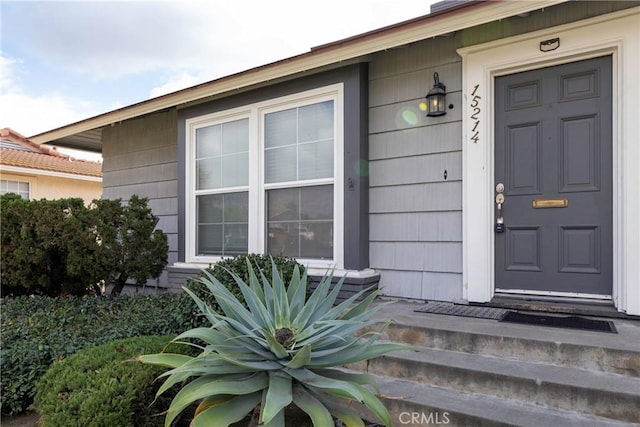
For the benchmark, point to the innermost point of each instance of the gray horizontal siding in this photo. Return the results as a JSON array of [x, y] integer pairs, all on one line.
[[421, 285], [151, 190], [150, 157], [414, 85], [415, 212], [416, 227], [178, 277], [443, 138], [140, 157], [407, 114], [415, 57], [432, 197], [142, 174], [416, 169], [443, 257]]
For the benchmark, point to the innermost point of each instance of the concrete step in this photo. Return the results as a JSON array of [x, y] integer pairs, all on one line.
[[546, 386], [485, 372], [595, 351], [414, 404]]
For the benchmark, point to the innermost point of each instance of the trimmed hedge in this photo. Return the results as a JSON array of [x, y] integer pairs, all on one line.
[[100, 386], [36, 331]]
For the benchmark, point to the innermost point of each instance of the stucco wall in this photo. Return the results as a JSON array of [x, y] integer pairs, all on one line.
[[49, 187]]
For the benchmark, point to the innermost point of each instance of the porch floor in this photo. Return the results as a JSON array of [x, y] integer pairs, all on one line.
[[403, 312]]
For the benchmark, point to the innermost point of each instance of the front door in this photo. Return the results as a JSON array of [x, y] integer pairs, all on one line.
[[553, 156]]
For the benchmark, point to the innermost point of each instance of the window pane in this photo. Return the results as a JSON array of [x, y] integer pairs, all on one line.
[[210, 209], [236, 239], [210, 239], [236, 207], [317, 203], [20, 188], [208, 173], [222, 155], [315, 122], [283, 205], [299, 143], [282, 239], [235, 170], [280, 128], [235, 137], [300, 222], [208, 141], [222, 224], [316, 240], [316, 160], [280, 164]]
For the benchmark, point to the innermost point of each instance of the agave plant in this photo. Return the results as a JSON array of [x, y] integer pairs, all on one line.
[[282, 350]]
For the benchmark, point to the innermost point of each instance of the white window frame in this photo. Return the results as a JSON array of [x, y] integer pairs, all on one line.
[[257, 187]]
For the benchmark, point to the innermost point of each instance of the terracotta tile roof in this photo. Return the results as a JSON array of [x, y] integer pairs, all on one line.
[[16, 150], [48, 162]]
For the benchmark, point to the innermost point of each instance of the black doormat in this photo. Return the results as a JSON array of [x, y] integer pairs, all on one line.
[[572, 322], [451, 309]]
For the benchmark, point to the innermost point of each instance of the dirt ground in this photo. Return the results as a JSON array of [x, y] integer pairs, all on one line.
[[25, 420]]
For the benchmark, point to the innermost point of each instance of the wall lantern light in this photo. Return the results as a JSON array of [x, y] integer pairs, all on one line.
[[436, 98]]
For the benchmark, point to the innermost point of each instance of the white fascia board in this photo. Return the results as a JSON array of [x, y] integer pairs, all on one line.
[[334, 53], [42, 172]]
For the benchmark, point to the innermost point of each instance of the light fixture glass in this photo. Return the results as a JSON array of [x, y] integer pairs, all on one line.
[[436, 98]]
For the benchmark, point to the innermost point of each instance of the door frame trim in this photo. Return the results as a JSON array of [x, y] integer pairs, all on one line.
[[612, 34]]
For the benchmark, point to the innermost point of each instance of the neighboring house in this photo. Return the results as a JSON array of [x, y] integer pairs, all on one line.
[[39, 172], [329, 157]]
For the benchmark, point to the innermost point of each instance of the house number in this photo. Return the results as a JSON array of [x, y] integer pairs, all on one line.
[[475, 116]]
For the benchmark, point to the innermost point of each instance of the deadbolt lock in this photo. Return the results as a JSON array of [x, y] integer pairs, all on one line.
[[500, 188]]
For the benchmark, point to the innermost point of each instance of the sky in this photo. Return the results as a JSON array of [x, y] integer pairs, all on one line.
[[65, 61]]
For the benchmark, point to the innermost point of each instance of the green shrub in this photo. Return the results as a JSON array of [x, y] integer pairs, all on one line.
[[40, 238], [60, 247], [281, 350], [97, 387], [238, 265], [36, 331]]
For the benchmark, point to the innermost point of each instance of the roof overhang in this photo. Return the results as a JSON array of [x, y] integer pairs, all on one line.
[[86, 134]]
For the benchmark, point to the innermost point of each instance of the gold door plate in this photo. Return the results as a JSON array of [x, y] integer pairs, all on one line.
[[550, 203]]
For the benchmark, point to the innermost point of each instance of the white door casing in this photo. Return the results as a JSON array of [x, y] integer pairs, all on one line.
[[616, 34]]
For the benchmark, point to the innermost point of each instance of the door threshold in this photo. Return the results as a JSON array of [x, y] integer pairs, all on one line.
[[560, 305]]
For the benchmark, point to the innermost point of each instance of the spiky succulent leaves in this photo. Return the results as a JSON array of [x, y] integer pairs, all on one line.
[[319, 414], [278, 396], [276, 351], [227, 412]]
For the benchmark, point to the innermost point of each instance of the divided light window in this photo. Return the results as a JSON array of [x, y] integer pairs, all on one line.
[[222, 192], [20, 188], [299, 151], [264, 179]]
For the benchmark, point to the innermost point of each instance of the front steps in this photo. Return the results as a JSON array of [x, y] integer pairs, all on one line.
[[467, 371]]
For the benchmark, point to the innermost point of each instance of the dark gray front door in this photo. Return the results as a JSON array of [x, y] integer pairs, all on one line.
[[553, 153]]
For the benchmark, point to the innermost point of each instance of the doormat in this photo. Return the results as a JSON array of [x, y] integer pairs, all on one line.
[[571, 322], [462, 310]]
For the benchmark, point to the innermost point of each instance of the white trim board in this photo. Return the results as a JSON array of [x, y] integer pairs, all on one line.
[[616, 34]]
